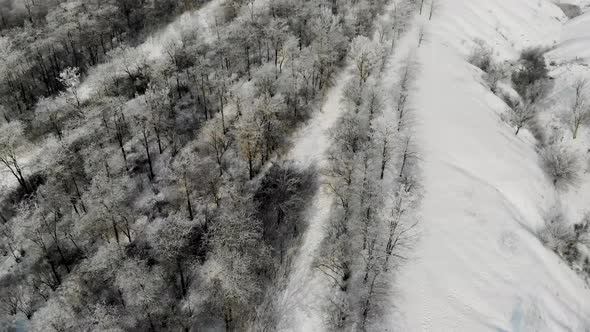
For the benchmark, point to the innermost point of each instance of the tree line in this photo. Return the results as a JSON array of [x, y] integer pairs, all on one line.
[[373, 176]]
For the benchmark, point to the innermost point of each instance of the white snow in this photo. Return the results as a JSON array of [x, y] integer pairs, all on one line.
[[478, 265]]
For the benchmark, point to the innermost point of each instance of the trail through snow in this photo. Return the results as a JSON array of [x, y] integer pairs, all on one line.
[[301, 300]]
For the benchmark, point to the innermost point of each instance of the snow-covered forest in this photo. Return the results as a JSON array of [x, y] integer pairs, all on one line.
[[294, 165]]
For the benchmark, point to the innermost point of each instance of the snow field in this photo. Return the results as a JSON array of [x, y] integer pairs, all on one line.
[[479, 265]]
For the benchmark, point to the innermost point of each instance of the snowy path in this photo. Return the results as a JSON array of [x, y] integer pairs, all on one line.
[[301, 300], [478, 266]]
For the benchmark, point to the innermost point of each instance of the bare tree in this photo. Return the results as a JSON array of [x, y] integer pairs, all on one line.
[[403, 94], [579, 114], [141, 123], [11, 137], [364, 56], [434, 5], [70, 78], [421, 35], [522, 114], [556, 234]]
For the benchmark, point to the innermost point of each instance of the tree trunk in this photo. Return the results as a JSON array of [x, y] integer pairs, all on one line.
[[147, 152], [61, 255], [188, 200], [115, 229], [158, 138], [79, 195], [248, 62], [227, 318], [221, 106], [182, 279], [54, 272], [383, 160], [404, 160]]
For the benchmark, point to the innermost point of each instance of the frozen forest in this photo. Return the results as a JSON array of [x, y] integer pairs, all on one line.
[[294, 165]]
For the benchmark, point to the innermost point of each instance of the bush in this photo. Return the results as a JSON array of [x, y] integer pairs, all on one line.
[[561, 165], [571, 11], [557, 234], [521, 114], [481, 56], [530, 80], [565, 239], [495, 74]]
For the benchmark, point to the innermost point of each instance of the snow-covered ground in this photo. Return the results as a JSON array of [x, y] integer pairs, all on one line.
[[575, 38], [478, 265], [301, 300]]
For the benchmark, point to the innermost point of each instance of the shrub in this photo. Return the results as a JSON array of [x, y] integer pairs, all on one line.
[[582, 230], [481, 56], [561, 165], [530, 80], [521, 113], [557, 234], [565, 239], [571, 11], [496, 73]]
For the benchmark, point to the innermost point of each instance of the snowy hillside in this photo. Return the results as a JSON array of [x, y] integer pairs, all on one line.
[[479, 266]]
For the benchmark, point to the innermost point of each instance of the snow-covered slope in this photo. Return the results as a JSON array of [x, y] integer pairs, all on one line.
[[570, 60], [478, 265], [574, 38]]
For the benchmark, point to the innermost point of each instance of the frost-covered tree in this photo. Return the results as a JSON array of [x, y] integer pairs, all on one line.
[[561, 165], [159, 110], [557, 234], [579, 113], [363, 53], [522, 114], [109, 213], [70, 79], [51, 112], [239, 259], [11, 139]]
